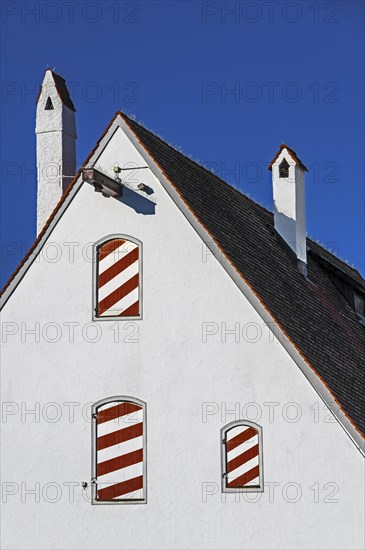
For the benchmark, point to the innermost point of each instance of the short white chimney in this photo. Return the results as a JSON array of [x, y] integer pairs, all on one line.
[[56, 144], [289, 201]]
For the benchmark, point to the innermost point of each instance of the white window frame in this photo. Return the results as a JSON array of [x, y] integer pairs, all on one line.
[[95, 275], [94, 435], [223, 440]]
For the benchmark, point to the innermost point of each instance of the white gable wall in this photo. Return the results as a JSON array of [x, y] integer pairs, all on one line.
[[175, 372]]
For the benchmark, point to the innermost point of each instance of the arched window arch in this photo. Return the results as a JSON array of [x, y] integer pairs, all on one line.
[[119, 451], [242, 464], [118, 278]]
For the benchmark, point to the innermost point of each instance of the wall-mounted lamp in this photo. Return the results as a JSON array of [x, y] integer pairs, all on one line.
[[116, 170], [142, 187]]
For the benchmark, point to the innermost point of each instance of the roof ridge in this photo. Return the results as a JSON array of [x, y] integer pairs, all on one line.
[[200, 166], [313, 241], [233, 188], [246, 236], [220, 180]]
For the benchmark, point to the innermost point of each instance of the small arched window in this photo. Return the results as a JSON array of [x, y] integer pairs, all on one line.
[[118, 278], [284, 169], [119, 449], [242, 464]]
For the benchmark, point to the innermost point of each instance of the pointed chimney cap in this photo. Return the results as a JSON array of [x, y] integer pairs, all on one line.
[[293, 155], [62, 90]]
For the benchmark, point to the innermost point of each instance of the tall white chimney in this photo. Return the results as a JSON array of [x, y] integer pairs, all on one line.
[[56, 144], [289, 202]]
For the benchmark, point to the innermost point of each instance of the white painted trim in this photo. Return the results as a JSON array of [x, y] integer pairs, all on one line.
[[95, 278], [94, 410], [224, 431]]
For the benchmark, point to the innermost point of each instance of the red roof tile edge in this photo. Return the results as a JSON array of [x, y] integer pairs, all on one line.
[[293, 155]]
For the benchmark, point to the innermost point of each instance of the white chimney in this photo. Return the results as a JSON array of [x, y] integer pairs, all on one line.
[[289, 202], [56, 144]]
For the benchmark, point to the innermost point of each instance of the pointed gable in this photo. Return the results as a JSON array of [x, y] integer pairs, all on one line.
[[62, 91], [292, 154], [312, 313]]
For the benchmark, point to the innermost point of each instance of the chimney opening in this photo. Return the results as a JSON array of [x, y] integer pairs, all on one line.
[[49, 105], [284, 169]]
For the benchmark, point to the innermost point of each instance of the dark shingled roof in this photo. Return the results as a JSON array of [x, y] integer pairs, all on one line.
[[313, 312]]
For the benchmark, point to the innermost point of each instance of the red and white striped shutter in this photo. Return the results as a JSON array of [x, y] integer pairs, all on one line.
[[120, 452], [118, 284], [242, 448]]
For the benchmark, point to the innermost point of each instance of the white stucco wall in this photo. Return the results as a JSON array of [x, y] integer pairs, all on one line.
[[164, 361]]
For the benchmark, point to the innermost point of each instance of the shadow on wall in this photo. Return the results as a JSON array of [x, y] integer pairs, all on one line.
[[139, 203]]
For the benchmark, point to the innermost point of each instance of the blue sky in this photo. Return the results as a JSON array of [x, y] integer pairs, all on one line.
[[227, 82]]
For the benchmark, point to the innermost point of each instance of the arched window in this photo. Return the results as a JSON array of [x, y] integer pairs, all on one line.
[[119, 451], [242, 465], [118, 278], [284, 169]]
